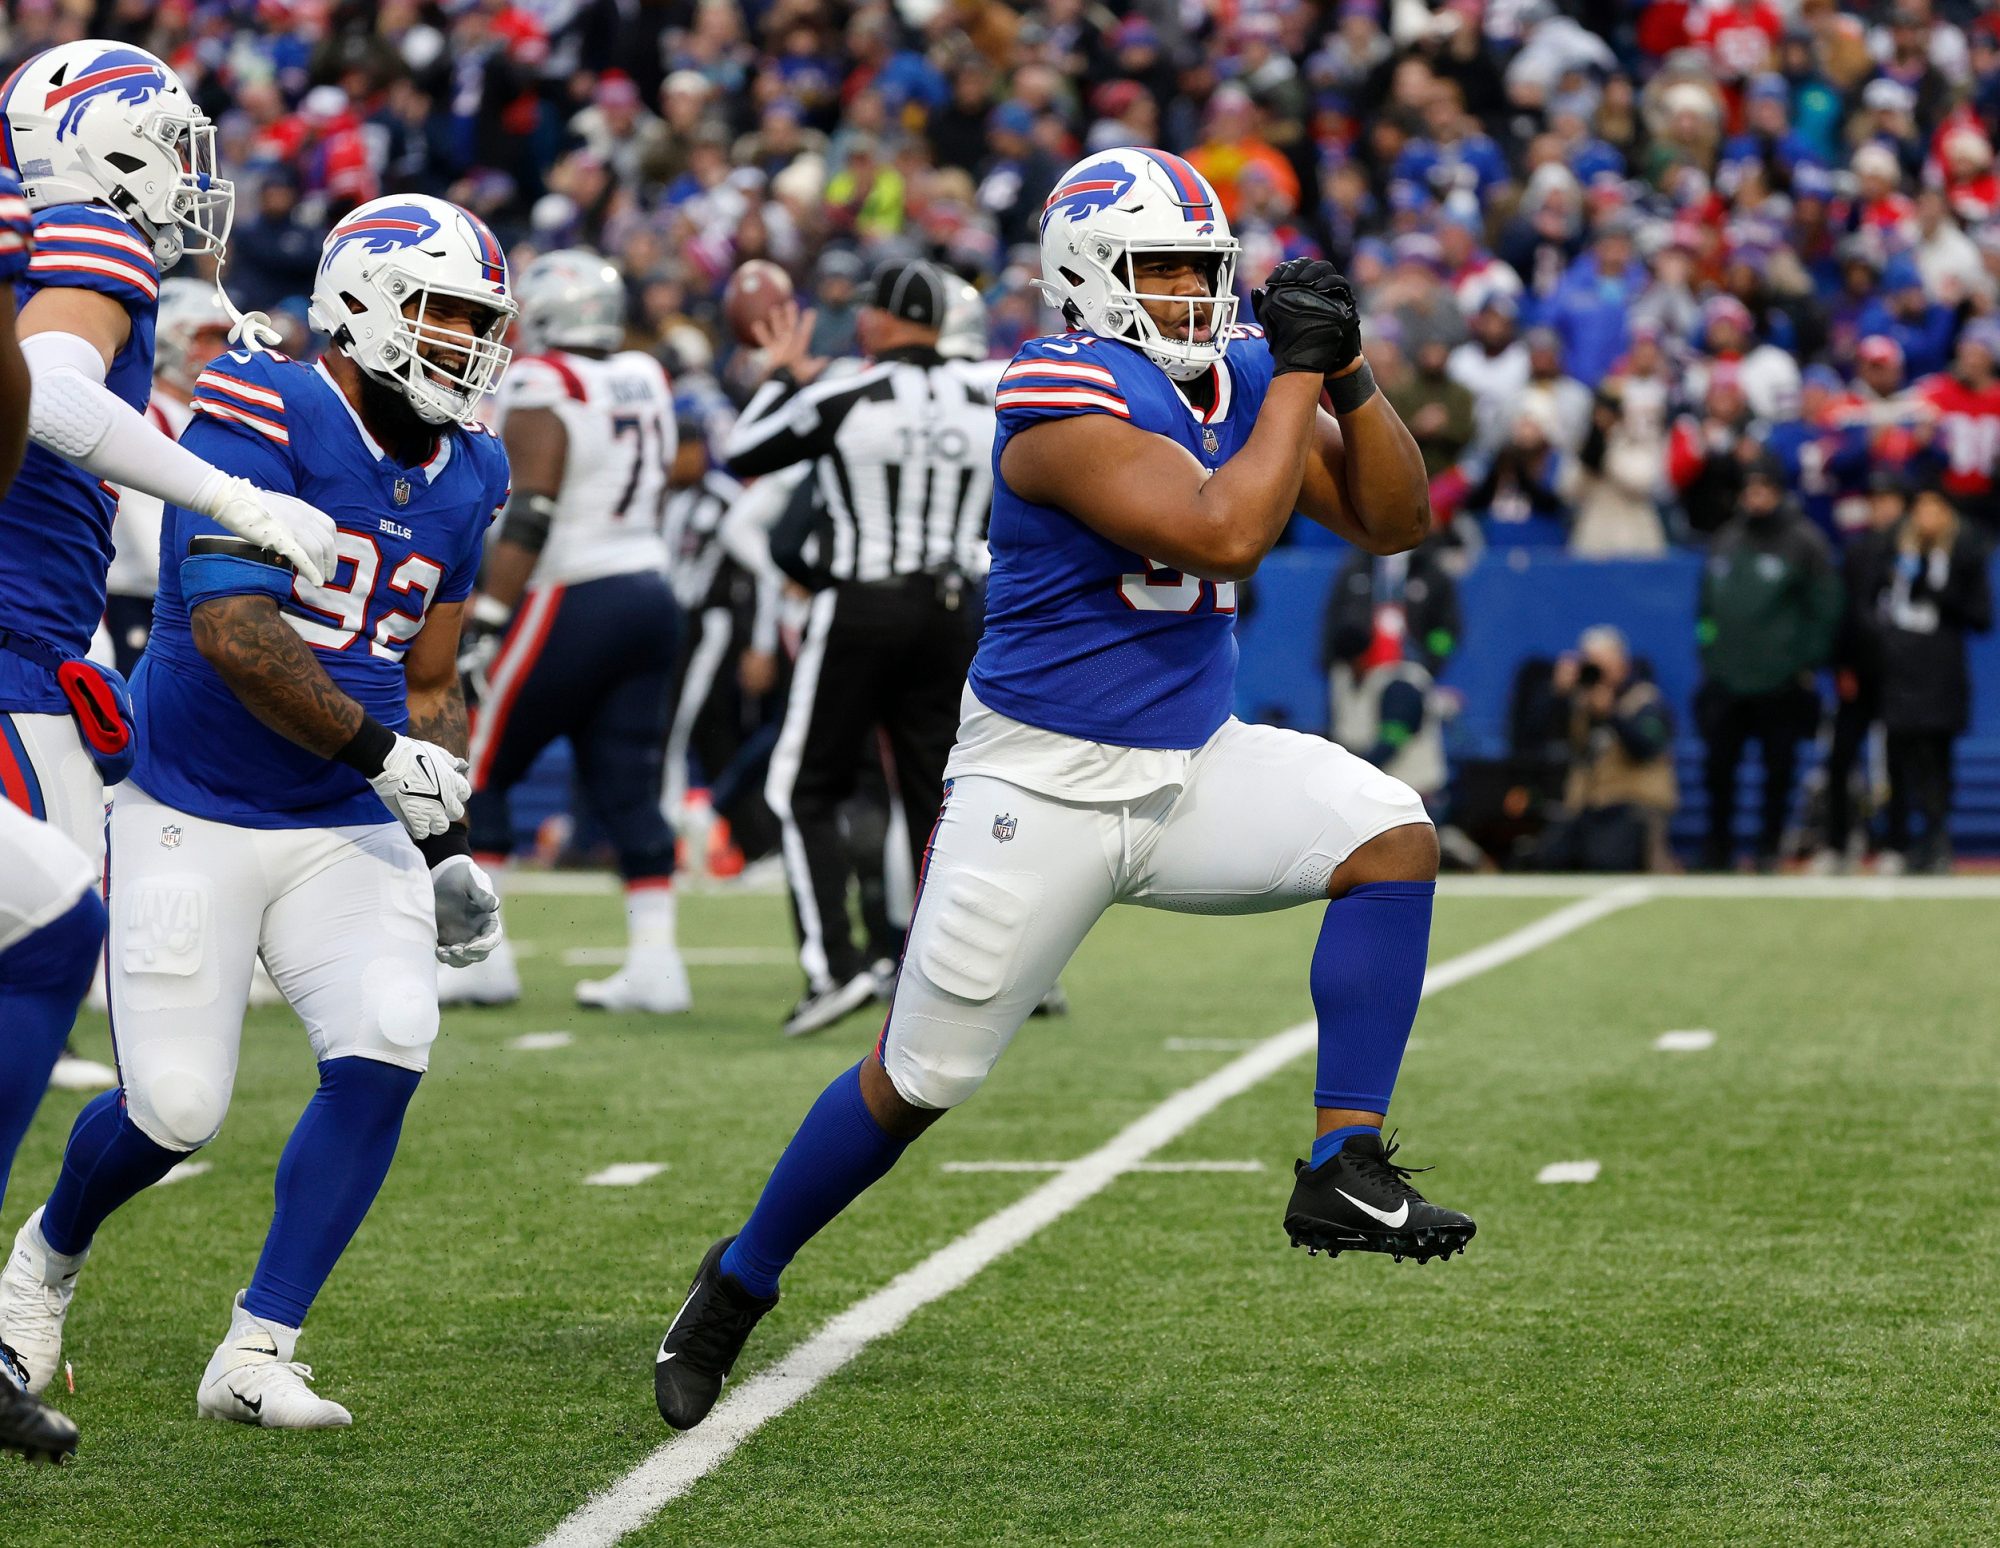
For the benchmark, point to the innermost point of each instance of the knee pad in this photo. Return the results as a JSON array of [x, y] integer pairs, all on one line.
[[176, 1107], [396, 1021], [937, 1062]]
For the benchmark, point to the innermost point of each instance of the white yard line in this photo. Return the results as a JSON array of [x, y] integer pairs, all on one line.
[[681, 1463], [1568, 1172], [1143, 1166], [541, 1042], [1693, 1040], [625, 1174], [183, 1170], [693, 956], [1867, 889]]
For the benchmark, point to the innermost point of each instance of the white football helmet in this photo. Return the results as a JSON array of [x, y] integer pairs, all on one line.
[[96, 122], [1118, 205], [187, 306], [963, 335], [571, 299], [412, 248]]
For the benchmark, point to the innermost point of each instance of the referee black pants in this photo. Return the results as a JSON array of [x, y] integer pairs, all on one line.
[[881, 654]]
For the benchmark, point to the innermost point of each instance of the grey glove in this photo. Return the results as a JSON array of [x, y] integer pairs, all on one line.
[[468, 911]]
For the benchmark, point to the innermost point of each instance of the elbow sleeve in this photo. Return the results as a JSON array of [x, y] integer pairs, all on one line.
[[73, 414], [526, 520]]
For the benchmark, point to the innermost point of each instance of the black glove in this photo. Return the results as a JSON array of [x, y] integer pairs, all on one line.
[[1309, 317], [478, 646]]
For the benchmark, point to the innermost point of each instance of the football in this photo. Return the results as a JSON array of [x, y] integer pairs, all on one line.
[[754, 291]]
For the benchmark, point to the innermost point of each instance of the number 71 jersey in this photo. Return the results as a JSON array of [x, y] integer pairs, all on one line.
[[410, 538], [617, 416], [1084, 637]]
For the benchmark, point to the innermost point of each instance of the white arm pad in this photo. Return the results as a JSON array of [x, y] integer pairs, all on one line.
[[73, 414]]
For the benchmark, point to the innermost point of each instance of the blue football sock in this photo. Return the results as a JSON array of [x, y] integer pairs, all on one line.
[[331, 1170], [1327, 1146], [1367, 976], [838, 1153], [107, 1161], [43, 978]]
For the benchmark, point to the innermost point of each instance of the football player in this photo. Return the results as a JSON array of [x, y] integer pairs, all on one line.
[[286, 714], [117, 166], [574, 629], [1147, 460], [51, 919]]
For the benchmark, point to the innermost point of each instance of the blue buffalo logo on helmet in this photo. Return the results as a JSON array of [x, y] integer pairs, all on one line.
[[123, 74], [385, 231], [1088, 190]]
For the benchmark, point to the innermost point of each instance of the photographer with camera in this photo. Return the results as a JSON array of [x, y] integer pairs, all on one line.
[[1620, 789]]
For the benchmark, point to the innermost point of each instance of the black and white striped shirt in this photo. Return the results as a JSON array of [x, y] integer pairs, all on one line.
[[903, 457]]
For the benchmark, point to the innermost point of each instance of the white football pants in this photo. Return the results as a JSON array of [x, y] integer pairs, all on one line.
[[344, 920], [61, 776], [1015, 879]]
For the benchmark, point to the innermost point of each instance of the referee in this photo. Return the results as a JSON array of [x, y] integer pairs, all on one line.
[[901, 455]]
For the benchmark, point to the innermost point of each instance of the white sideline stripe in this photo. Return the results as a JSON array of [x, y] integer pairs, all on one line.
[[625, 1174], [679, 1464], [1143, 1166], [1867, 889], [558, 884], [1691, 1041], [693, 956], [1568, 1172], [182, 1171], [541, 1042]]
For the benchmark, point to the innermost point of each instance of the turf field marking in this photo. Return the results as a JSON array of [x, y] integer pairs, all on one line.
[[1691, 1041], [183, 1171], [1568, 1172], [541, 1042], [625, 1174], [1209, 1044], [1873, 889], [559, 884], [1143, 1166], [693, 956], [680, 1463]]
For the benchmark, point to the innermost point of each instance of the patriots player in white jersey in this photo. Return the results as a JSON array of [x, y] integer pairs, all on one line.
[[1146, 461], [575, 631], [117, 166], [300, 794]]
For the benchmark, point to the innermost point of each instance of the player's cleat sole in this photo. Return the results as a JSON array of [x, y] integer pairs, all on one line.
[[494, 981], [29, 1427], [1361, 1201], [702, 1344], [817, 1012], [35, 1290], [1054, 1003]]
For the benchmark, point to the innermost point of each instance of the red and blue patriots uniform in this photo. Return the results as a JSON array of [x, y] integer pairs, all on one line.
[[409, 537], [55, 523], [1082, 636]]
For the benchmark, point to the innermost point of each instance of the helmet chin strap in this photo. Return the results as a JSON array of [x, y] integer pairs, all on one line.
[[252, 330]]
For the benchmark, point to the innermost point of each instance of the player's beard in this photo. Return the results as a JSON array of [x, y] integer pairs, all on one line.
[[404, 433]]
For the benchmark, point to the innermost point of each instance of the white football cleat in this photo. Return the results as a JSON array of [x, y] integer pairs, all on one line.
[[253, 1379], [35, 1291], [655, 982], [494, 981]]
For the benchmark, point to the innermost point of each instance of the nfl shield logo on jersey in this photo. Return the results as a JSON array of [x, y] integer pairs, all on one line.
[[170, 836], [1003, 828], [402, 491], [1209, 443]]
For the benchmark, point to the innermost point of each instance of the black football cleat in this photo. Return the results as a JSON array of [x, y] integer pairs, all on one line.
[[706, 1337], [1361, 1201], [28, 1426]]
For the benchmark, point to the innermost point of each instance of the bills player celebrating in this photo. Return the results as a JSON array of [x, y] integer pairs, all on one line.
[[1145, 463], [254, 821], [577, 579]]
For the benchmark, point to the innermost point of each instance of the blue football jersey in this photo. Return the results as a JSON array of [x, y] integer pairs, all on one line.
[[55, 523], [1082, 636], [409, 537]]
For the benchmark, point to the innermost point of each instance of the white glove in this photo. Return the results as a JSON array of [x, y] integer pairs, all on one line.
[[468, 911], [424, 785], [301, 532]]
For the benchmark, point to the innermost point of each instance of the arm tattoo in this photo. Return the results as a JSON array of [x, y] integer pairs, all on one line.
[[274, 673], [440, 718]]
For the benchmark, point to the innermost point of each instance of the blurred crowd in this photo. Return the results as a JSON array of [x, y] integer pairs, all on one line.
[[1620, 260]]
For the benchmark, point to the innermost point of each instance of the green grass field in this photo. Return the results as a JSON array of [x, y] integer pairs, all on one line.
[[1771, 1319]]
